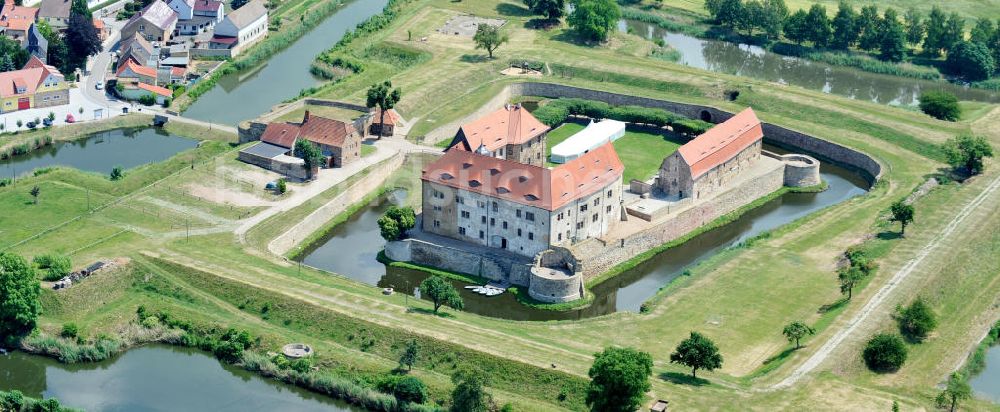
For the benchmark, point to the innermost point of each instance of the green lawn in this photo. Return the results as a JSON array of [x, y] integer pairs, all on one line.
[[641, 151]]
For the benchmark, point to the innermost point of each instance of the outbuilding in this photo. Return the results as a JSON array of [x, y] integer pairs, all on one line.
[[591, 137]]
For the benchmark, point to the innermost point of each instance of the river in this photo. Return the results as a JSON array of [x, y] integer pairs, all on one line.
[[987, 383], [102, 151], [758, 63], [243, 96], [156, 378]]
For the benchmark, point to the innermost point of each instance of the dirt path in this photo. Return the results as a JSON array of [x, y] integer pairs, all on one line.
[[876, 301]]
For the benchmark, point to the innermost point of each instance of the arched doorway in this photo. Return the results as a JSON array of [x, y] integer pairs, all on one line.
[[706, 116]]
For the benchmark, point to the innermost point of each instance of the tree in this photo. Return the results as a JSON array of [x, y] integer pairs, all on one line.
[[917, 320], [470, 393], [19, 292], [868, 24], [594, 20], [795, 331], [934, 41], [752, 16], [849, 278], [6, 64], [954, 31], [915, 27], [409, 356], [396, 221], [884, 353], [795, 27], [940, 105], [818, 26], [845, 27], [389, 228], [441, 292], [282, 186], [730, 13], [983, 32], [35, 191], [58, 53], [80, 7], [970, 60], [81, 41], [773, 19], [967, 152], [892, 38], [713, 7], [489, 37], [954, 393], [409, 389], [310, 154], [697, 352], [117, 173], [619, 380], [551, 9], [12, 49], [235, 4], [902, 212], [383, 96]]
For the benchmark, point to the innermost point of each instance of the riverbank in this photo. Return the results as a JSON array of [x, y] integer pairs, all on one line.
[[16, 402]]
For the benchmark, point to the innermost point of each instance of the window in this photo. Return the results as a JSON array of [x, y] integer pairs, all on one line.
[[482, 219], [461, 231], [594, 218], [437, 223], [579, 225], [466, 214], [609, 194], [609, 208], [530, 216], [583, 208], [531, 235], [518, 232], [495, 208], [482, 235], [459, 200], [518, 212], [481, 204], [559, 237], [504, 224], [560, 216], [493, 221], [597, 201]]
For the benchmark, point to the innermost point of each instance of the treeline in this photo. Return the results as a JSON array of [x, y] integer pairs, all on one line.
[[557, 111], [15, 401], [888, 35]]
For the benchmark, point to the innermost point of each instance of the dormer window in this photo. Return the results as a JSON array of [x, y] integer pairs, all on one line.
[[475, 183], [502, 190], [446, 176]]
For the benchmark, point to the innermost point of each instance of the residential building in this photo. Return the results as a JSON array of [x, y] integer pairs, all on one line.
[[183, 8], [37, 45], [595, 135], [510, 133], [160, 94], [384, 124], [136, 49], [523, 208], [708, 163], [156, 22], [16, 21], [241, 28], [130, 73], [340, 142], [196, 16], [36, 85], [55, 13]]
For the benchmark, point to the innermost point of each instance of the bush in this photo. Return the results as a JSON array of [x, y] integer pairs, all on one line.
[[409, 389], [940, 105], [885, 353], [916, 320], [56, 266], [117, 173], [70, 331], [147, 100]]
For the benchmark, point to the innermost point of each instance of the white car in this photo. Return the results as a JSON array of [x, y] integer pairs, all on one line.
[[99, 86]]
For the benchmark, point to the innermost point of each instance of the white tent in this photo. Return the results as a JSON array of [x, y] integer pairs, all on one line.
[[591, 137]]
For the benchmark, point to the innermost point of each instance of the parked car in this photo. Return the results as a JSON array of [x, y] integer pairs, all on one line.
[[31, 125], [70, 118], [99, 86], [47, 122]]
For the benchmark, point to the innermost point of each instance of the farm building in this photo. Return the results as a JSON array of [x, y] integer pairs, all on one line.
[[593, 136]]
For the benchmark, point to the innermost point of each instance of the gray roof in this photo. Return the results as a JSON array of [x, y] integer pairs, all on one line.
[[55, 8], [156, 13], [137, 48], [247, 14], [265, 150], [36, 42]]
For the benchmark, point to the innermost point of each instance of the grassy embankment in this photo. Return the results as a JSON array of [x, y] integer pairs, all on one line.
[[740, 299]]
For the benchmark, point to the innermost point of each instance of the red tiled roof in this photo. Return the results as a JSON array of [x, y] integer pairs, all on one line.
[[511, 124], [162, 91], [280, 134], [30, 77], [137, 69], [391, 117], [207, 5], [17, 18], [177, 71], [99, 24], [722, 142], [530, 185], [325, 131]]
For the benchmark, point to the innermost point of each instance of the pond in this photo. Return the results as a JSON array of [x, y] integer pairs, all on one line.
[[987, 383], [156, 378], [100, 152], [350, 248], [758, 63], [243, 96]]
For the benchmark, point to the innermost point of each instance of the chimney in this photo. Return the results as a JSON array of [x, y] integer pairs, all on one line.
[[305, 118]]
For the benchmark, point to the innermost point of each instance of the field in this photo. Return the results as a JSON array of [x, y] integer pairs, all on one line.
[[741, 298], [641, 151]]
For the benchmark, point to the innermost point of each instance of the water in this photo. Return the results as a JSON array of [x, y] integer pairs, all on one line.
[[156, 378], [758, 63], [242, 96], [100, 152], [987, 383], [350, 249]]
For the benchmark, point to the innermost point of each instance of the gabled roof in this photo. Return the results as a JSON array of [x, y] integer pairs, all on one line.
[[18, 18], [30, 77], [511, 124], [722, 142], [280, 134], [162, 91], [55, 8], [525, 184], [136, 68], [207, 5], [156, 13], [391, 117], [325, 131], [35, 38], [247, 14]]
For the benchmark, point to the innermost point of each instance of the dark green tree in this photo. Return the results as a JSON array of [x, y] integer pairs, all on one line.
[[917, 320], [956, 391], [713, 7], [441, 292], [772, 22], [795, 27], [489, 37], [619, 380], [730, 13], [849, 278], [902, 212], [310, 153], [383, 96], [983, 32], [80, 7], [795, 331], [818, 26], [966, 152], [19, 294], [751, 17], [12, 49], [235, 4], [935, 29], [409, 356], [81, 41], [972, 61], [594, 20], [915, 27], [470, 393], [884, 353], [697, 352], [396, 221], [551, 9], [892, 38], [940, 105], [845, 27], [35, 191], [389, 228], [868, 27], [6, 64], [117, 173], [409, 389], [954, 31]]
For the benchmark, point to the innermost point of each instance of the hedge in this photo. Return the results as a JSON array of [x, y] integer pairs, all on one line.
[[556, 112]]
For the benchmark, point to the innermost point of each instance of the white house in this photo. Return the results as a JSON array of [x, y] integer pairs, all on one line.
[[593, 136], [241, 28], [184, 8], [196, 16]]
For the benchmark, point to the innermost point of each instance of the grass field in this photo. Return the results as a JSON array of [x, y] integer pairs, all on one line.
[[641, 151], [741, 298]]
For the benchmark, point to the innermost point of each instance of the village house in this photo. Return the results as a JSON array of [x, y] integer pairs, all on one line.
[[156, 22], [196, 16], [241, 28], [36, 85], [523, 208], [383, 125], [159, 94], [131, 74], [136, 49], [36, 45], [339, 142], [510, 133], [55, 13], [16, 21], [707, 164], [102, 29]]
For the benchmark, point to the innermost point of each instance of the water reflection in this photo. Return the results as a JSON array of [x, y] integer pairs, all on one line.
[[987, 383]]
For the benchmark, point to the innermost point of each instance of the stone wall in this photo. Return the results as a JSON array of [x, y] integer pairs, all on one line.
[[494, 267], [800, 170], [251, 131]]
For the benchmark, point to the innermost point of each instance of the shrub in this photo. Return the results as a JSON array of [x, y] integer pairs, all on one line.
[[117, 173], [409, 389], [916, 320], [966, 153], [282, 186], [885, 353], [69, 331], [56, 266], [147, 100], [940, 105]]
